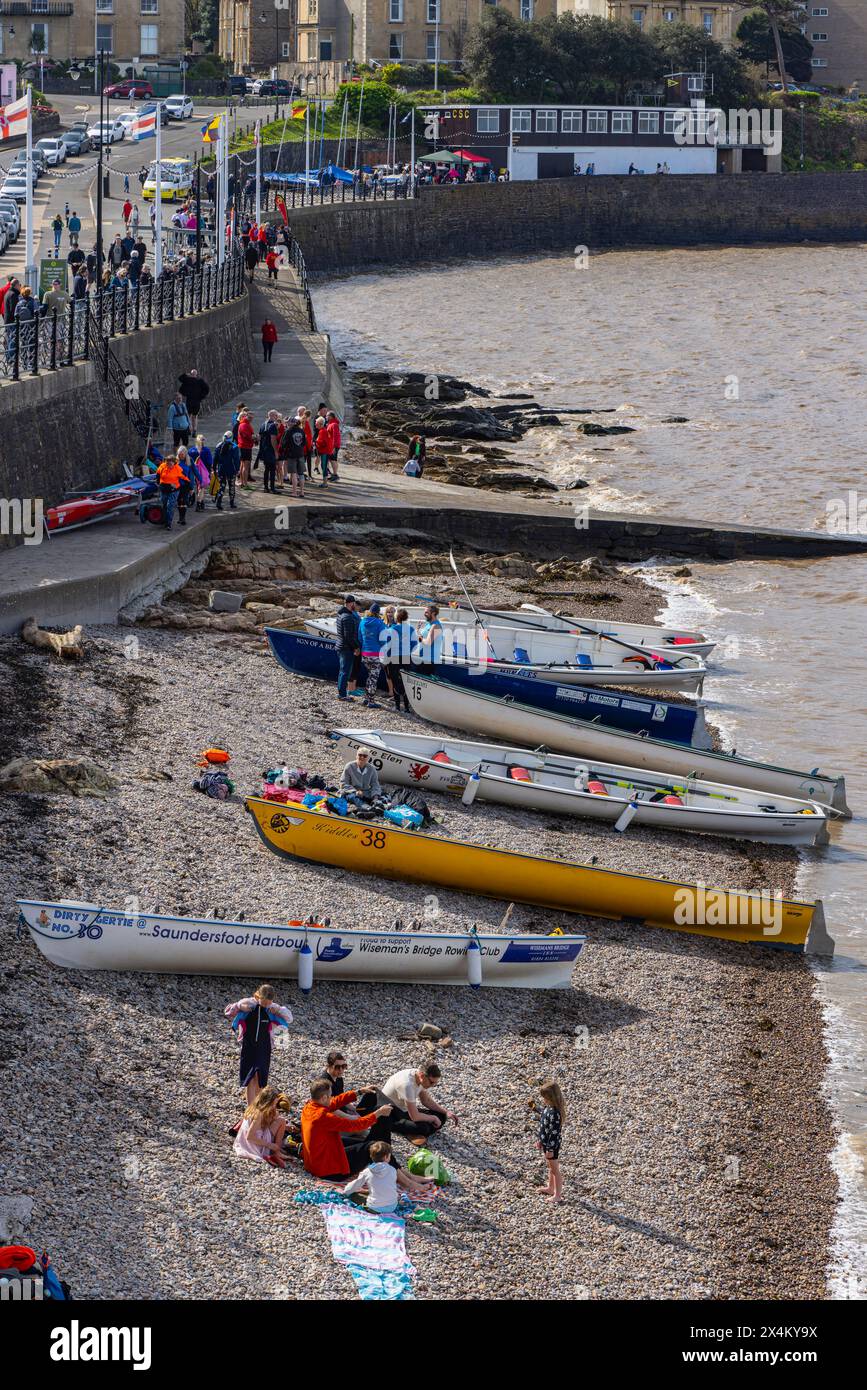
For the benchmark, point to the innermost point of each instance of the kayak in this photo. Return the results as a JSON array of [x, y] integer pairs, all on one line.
[[95, 506]]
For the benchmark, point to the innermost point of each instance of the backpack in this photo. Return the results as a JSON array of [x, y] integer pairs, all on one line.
[[410, 799], [404, 816]]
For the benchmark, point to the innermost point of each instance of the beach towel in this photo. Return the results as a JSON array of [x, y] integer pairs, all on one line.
[[370, 1245]]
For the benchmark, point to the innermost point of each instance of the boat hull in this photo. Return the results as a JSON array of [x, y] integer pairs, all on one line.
[[296, 833], [306, 654], [475, 713], [796, 827], [81, 936]]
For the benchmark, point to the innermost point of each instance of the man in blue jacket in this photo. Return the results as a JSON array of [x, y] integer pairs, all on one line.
[[348, 647], [227, 462]]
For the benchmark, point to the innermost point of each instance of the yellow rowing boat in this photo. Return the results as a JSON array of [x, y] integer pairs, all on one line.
[[766, 917]]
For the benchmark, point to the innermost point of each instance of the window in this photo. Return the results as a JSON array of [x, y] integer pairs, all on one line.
[[821, 13], [286, 50], [597, 122], [638, 18], [326, 48], [149, 44], [546, 122], [105, 6], [103, 38], [150, 7], [431, 44], [488, 120], [670, 16], [433, 11], [707, 21], [819, 38], [39, 38], [621, 122], [39, 6], [395, 11], [395, 47], [648, 123], [572, 122], [818, 62], [674, 122], [312, 9], [695, 84], [527, 9], [522, 121]]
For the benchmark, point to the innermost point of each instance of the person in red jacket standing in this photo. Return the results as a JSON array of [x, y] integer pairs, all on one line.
[[269, 338], [332, 424], [245, 448], [323, 447], [262, 237], [324, 1153], [272, 261]]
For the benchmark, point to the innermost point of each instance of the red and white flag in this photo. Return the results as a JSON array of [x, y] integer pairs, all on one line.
[[13, 118], [143, 126]]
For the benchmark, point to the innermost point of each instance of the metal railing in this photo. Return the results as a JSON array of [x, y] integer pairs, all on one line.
[[296, 256], [60, 337], [297, 196]]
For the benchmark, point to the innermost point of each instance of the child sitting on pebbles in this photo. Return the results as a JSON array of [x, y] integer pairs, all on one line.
[[381, 1181], [548, 1142], [262, 1129]]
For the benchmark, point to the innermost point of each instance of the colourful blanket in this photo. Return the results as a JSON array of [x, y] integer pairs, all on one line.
[[371, 1246]]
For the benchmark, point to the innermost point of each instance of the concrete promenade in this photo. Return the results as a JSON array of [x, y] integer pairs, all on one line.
[[90, 575]]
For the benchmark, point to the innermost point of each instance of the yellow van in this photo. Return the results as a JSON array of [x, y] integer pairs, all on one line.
[[176, 179]]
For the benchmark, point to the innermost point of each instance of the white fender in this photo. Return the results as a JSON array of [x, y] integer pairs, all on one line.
[[305, 969], [471, 789], [474, 963]]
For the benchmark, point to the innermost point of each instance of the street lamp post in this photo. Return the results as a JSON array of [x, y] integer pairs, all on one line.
[[801, 105], [98, 72]]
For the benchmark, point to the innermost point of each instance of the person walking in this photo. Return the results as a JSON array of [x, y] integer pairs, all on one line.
[[73, 226], [188, 490], [126, 212], [126, 176], [272, 261], [134, 220], [245, 448], [179, 421], [57, 229], [115, 255], [269, 338], [194, 389], [227, 463], [251, 259], [170, 476]]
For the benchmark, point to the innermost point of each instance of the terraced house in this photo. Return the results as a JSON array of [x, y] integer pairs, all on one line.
[[130, 31], [719, 18]]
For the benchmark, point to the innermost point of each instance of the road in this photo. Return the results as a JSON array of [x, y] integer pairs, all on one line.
[[75, 181]]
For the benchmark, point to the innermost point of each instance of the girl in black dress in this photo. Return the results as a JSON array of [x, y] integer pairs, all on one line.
[[254, 1018], [548, 1142]]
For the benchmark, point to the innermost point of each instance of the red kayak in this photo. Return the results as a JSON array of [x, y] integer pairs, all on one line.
[[83, 510]]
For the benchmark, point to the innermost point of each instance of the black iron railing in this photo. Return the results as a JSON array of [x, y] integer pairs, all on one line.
[[57, 338]]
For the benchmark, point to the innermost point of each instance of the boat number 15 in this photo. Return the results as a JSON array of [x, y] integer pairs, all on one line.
[[373, 839]]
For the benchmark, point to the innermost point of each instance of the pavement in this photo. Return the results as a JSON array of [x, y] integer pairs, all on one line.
[[75, 181]]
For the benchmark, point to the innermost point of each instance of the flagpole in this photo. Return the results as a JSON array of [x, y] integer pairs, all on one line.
[[225, 147], [258, 169], [219, 228], [30, 266], [412, 152], [158, 200], [306, 151]]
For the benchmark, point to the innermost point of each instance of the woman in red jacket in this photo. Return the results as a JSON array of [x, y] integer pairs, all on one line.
[[305, 416], [332, 424], [245, 448], [269, 338], [323, 447]]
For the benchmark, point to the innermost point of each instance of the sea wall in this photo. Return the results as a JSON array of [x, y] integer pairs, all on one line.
[[67, 430], [555, 214]]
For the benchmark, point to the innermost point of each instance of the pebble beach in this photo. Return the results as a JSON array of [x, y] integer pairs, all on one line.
[[695, 1154]]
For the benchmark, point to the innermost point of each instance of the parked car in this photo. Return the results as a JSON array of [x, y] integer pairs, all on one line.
[[128, 119], [11, 222], [4, 238], [264, 87], [76, 141], [9, 205], [14, 186], [130, 87], [108, 132], [18, 167], [238, 86], [152, 106], [53, 148]]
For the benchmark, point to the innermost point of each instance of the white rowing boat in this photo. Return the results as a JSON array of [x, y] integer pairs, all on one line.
[[551, 656], [509, 721], [665, 640], [86, 936], [564, 785]]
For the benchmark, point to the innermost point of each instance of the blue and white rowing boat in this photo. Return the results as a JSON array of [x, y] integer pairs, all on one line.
[[308, 654]]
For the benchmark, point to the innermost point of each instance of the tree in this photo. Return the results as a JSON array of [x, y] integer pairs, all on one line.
[[686, 48], [777, 12], [755, 44], [209, 22]]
